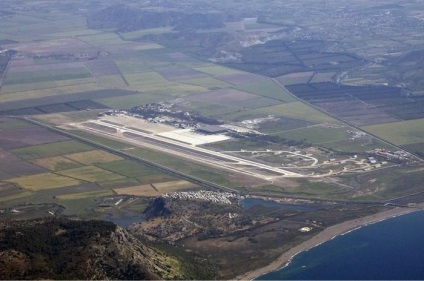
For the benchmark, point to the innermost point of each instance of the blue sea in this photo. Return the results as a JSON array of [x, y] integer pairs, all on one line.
[[392, 250]]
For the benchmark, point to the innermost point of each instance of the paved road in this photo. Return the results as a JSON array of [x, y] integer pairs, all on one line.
[[202, 154]]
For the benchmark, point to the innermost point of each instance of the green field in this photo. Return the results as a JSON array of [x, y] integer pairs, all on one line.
[[149, 46], [119, 183], [82, 195], [208, 82], [10, 124], [173, 89], [102, 39], [128, 168], [399, 133], [93, 156], [51, 149], [132, 64], [131, 100], [111, 81], [140, 33], [145, 78], [267, 88], [315, 134], [415, 148], [299, 110], [47, 75], [256, 103], [356, 146], [217, 70], [13, 88], [182, 165], [91, 174]]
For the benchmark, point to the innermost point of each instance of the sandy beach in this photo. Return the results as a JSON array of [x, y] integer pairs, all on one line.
[[326, 235]]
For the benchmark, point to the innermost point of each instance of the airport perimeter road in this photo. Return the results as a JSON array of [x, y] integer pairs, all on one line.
[[204, 155]]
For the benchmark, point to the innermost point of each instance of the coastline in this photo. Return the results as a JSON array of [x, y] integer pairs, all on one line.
[[324, 236]]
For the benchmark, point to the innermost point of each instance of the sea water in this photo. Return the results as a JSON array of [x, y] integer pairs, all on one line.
[[392, 249]]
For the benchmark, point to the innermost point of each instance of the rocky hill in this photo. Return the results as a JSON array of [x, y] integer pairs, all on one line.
[[69, 249], [171, 220]]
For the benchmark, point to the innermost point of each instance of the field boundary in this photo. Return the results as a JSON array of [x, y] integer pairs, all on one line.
[[165, 169], [345, 122]]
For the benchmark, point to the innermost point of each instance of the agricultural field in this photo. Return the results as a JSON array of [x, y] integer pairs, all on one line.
[[44, 181], [208, 82], [295, 78], [52, 149], [156, 189], [399, 133], [299, 110], [267, 88], [93, 157], [69, 70], [315, 134], [140, 33], [90, 174], [222, 97], [51, 168], [46, 76], [216, 70], [361, 105], [56, 163]]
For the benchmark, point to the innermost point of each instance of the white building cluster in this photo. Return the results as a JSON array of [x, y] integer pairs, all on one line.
[[211, 196]]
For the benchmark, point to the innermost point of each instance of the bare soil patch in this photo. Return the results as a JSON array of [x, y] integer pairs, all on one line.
[[21, 168], [17, 138]]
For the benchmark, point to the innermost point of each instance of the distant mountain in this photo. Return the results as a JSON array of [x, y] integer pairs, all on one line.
[[70, 249], [125, 19]]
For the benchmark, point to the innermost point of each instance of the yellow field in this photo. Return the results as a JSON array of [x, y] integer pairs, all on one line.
[[161, 188], [91, 174], [44, 181], [55, 163], [172, 186], [139, 190], [83, 195], [15, 196], [93, 156]]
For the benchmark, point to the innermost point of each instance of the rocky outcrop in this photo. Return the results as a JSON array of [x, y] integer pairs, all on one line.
[[69, 249]]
